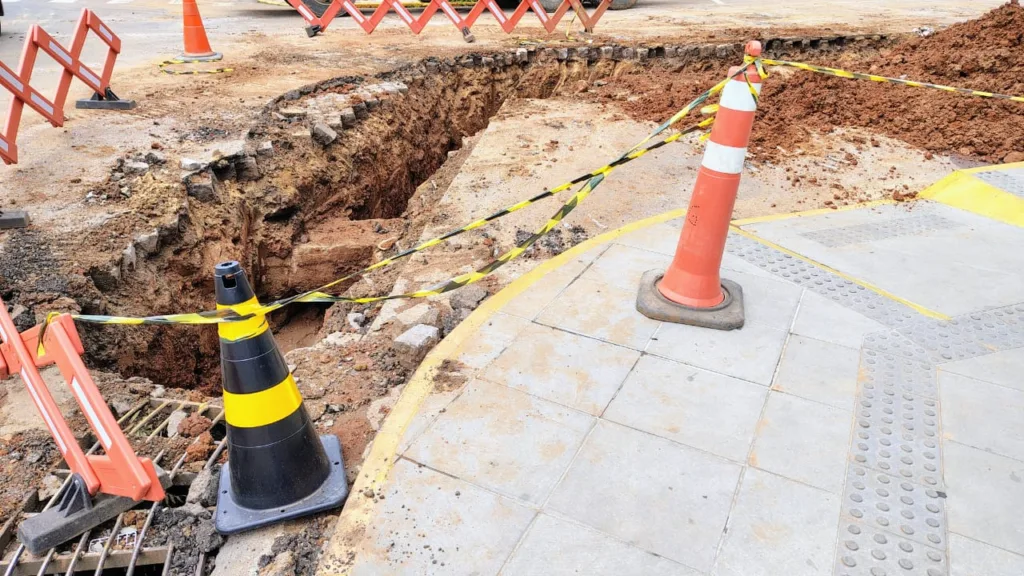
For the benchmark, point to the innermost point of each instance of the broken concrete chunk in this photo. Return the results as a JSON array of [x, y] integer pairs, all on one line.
[[200, 186], [154, 157], [265, 149], [414, 344], [341, 339], [50, 486], [203, 490], [148, 243], [229, 149], [334, 121], [128, 259], [173, 421], [207, 537], [293, 112], [135, 167], [468, 298], [323, 134], [191, 165], [356, 320], [421, 313], [361, 111], [282, 565], [348, 117], [246, 169]]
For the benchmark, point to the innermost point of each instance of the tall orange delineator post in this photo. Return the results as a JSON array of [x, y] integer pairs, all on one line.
[[691, 291], [122, 477], [197, 45]]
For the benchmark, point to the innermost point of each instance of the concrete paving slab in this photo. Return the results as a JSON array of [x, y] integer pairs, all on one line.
[[982, 415], [779, 526], [558, 547], [986, 496], [433, 406], [431, 523], [818, 371], [803, 441], [503, 440], [492, 338], [661, 238], [972, 558], [536, 298], [665, 498], [601, 311], [650, 485], [622, 266], [1003, 368], [767, 301], [911, 250], [691, 406], [562, 367], [750, 353], [823, 319]]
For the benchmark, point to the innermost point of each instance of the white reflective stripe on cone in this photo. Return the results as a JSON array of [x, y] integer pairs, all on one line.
[[736, 96], [724, 159]]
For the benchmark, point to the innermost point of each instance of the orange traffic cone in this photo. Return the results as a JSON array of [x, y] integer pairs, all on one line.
[[197, 46], [691, 291]]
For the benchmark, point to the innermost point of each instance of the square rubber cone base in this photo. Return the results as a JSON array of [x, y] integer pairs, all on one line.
[[232, 518], [726, 316], [90, 104]]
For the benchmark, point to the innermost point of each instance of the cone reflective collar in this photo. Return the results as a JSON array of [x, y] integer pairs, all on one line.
[[277, 466]]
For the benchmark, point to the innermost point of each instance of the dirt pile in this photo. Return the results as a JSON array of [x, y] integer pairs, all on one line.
[[984, 54]]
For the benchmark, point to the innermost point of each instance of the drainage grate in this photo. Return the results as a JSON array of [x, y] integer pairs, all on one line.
[[114, 545]]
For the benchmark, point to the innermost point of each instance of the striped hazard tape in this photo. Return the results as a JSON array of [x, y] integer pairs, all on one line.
[[590, 182], [884, 79], [164, 68]]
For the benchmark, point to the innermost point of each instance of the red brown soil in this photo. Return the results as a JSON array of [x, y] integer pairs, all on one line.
[[984, 54], [201, 449], [193, 426]]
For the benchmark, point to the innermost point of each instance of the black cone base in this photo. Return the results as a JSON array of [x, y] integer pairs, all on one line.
[[233, 518]]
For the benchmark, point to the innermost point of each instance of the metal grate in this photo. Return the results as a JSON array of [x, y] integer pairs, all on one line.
[[142, 423]]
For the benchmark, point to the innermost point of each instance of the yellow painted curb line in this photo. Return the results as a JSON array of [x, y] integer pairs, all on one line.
[[358, 510], [964, 191]]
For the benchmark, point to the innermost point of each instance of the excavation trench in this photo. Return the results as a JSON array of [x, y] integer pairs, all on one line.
[[298, 214], [307, 213]]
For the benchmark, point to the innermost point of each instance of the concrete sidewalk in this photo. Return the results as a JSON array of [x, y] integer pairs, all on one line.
[[866, 420]]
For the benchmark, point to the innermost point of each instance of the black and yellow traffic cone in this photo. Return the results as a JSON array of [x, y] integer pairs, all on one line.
[[277, 468]]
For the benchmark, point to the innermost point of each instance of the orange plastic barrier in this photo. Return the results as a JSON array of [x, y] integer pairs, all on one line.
[[18, 83], [507, 22], [118, 471]]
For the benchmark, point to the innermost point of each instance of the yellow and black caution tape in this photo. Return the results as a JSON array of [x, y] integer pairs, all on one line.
[[884, 79], [320, 294], [592, 180], [163, 68]]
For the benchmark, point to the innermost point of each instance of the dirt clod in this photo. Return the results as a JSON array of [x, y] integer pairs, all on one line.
[[193, 426]]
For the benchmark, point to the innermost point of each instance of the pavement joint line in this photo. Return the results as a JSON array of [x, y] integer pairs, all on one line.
[[868, 286], [384, 450]]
